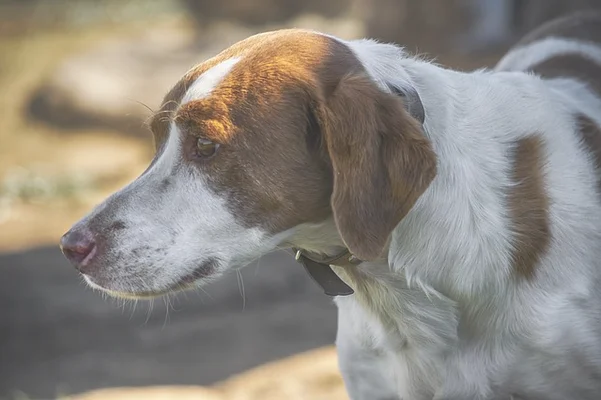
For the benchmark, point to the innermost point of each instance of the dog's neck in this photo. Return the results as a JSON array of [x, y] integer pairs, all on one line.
[[450, 241], [449, 230]]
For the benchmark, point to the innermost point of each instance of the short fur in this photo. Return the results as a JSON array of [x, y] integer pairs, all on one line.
[[473, 199]]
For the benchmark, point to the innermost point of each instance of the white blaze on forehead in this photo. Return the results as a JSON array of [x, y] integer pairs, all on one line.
[[205, 83], [202, 87]]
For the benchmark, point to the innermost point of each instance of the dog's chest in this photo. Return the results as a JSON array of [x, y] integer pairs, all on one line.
[[405, 334]]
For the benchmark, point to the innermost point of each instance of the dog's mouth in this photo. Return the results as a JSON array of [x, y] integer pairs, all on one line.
[[113, 285]]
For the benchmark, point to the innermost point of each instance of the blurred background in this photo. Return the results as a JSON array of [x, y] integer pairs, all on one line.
[[76, 80]]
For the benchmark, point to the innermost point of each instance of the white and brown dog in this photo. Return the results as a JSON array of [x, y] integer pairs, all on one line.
[[470, 202]]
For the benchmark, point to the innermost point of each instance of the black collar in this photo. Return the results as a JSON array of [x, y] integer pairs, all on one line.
[[318, 267]]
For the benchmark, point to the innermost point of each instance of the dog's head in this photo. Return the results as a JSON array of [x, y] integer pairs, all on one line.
[[279, 133]]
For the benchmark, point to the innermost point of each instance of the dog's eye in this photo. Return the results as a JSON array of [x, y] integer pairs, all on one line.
[[205, 148]]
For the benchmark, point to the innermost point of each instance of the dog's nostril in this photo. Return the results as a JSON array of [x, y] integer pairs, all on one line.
[[77, 245]]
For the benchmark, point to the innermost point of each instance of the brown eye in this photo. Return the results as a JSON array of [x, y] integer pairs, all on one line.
[[205, 148]]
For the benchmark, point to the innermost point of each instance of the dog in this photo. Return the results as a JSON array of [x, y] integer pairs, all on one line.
[[454, 216]]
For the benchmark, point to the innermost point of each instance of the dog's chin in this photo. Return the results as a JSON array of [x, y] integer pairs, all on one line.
[[142, 294], [118, 287]]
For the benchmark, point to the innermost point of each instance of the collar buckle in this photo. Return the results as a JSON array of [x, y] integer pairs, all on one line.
[[319, 268]]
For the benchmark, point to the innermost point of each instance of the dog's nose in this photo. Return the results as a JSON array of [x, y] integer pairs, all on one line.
[[77, 245]]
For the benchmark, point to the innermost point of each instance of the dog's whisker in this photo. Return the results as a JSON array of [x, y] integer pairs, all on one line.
[[165, 118], [133, 310], [241, 288], [141, 103], [158, 114], [207, 293], [149, 311], [168, 103], [166, 300], [258, 265], [147, 121], [168, 111]]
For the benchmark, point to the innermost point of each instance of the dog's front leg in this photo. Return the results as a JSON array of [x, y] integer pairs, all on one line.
[[365, 370]]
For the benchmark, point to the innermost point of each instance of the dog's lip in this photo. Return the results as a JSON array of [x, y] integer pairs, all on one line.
[[141, 295], [188, 281], [205, 269]]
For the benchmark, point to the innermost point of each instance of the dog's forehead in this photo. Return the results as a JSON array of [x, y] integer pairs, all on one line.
[[285, 50], [261, 65], [204, 85]]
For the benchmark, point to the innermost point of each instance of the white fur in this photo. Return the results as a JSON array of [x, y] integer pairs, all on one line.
[[534, 53], [204, 84], [441, 318]]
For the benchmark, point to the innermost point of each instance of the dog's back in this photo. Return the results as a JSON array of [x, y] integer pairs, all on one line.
[[564, 50], [566, 53], [568, 46]]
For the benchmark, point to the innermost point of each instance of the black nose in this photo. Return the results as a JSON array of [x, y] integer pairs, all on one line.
[[77, 245]]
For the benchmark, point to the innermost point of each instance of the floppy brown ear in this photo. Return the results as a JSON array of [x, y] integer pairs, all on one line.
[[381, 161]]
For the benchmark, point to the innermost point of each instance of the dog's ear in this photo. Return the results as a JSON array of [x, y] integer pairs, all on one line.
[[381, 160]]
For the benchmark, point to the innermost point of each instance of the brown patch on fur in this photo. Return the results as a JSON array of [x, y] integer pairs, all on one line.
[[571, 66], [306, 134], [529, 206], [253, 45], [208, 118], [590, 133]]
